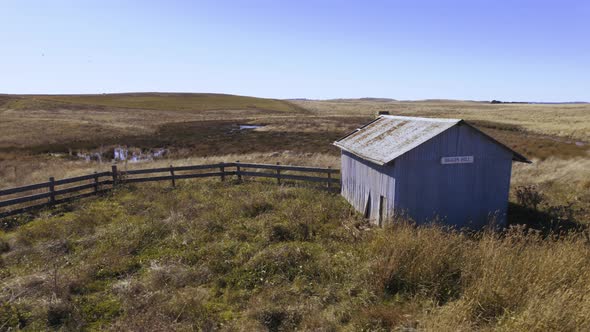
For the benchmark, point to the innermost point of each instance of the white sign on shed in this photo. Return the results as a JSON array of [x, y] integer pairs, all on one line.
[[457, 160]]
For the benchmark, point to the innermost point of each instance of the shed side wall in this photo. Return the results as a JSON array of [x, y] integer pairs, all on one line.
[[362, 179]]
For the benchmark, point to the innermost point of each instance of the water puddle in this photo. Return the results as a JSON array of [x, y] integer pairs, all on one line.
[[135, 155], [91, 156], [250, 126]]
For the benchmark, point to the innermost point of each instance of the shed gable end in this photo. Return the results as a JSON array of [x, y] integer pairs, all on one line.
[[389, 137]]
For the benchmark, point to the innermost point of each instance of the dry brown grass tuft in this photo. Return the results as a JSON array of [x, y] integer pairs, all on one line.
[[408, 265], [520, 282]]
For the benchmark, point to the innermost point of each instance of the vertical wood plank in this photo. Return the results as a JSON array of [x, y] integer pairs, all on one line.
[[115, 175], [173, 178], [52, 190], [238, 170], [278, 173], [95, 182], [222, 169], [329, 179]]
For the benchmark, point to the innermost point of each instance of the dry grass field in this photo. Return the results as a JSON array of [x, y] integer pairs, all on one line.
[[39, 132], [54, 123], [559, 120], [254, 256]]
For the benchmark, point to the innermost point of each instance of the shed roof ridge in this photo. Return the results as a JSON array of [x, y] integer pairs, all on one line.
[[415, 118]]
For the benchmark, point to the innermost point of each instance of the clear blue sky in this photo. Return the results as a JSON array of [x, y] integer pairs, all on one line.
[[472, 49]]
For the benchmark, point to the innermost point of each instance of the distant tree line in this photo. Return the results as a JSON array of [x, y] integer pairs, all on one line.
[[507, 102]]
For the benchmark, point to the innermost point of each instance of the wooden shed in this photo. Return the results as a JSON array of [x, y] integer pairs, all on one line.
[[426, 169]]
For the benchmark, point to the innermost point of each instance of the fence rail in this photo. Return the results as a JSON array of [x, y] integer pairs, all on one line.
[[53, 191]]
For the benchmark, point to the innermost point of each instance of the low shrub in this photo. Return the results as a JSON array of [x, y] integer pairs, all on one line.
[[529, 196]]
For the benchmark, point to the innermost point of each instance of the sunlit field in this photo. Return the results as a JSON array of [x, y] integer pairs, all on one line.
[[253, 255]]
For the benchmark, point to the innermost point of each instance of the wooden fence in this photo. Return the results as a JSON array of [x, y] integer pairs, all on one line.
[[21, 199]]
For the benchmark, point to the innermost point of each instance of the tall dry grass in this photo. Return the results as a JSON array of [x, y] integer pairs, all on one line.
[[516, 281]]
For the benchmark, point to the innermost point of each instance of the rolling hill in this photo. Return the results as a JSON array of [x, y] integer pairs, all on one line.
[[148, 101]]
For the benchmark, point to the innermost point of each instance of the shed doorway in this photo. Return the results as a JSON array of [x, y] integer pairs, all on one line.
[[381, 209], [367, 213]]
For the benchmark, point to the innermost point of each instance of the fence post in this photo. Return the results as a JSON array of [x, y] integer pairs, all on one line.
[[238, 170], [115, 175], [51, 190], [95, 182], [278, 173], [172, 174], [222, 169], [329, 178]]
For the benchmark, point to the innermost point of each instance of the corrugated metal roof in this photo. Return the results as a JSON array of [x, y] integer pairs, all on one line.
[[389, 137]]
